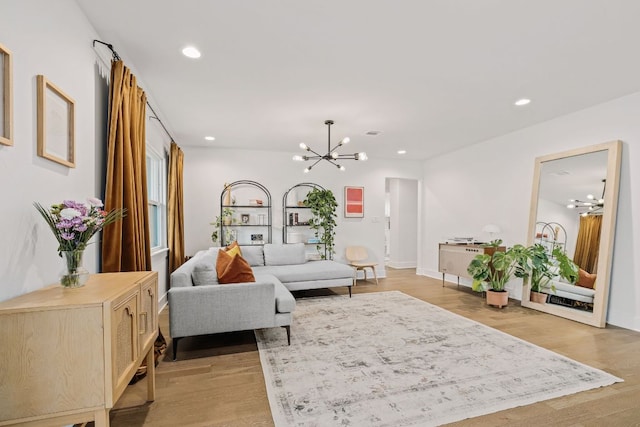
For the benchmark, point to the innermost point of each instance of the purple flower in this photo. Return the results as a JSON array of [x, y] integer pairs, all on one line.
[[67, 236], [80, 228]]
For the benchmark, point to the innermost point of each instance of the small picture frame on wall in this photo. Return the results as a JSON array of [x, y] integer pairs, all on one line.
[[244, 218], [6, 97], [56, 124], [354, 202]]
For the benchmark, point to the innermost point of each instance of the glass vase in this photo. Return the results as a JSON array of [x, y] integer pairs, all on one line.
[[73, 275]]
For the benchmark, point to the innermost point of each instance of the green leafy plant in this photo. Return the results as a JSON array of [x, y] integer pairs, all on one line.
[[493, 271], [225, 218], [542, 267], [323, 222]]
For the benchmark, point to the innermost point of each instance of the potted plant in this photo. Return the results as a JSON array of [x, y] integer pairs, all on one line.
[[492, 271], [543, 268], [541, 273], [323, 221], [225, 218]]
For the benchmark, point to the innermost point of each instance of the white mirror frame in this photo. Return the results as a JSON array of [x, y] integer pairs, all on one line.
[[598, 317]]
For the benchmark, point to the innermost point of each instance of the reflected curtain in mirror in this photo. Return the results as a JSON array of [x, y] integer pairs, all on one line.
[[586, 255], [125, 244], [175, 211]]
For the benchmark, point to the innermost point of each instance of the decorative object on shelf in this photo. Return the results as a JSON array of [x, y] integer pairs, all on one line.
[[6, 97], [244, 218], [56, 124], [323, 221], [227, 195], [73, 224], [592, 205], [354, 202], [222, 222], [332, 155]]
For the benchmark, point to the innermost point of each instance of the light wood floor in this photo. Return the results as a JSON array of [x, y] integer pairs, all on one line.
[[217, 380]]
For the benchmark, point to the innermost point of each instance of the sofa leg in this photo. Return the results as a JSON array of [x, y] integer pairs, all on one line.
[[288, 329], [349, 291], [175, 348]]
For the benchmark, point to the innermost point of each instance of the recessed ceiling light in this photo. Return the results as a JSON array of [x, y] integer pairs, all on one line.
[[209, 138], [521, 102], [191, 52], [402, 151]]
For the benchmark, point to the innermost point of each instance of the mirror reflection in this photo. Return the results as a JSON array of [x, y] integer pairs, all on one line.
[[569, 217], [573, 211]]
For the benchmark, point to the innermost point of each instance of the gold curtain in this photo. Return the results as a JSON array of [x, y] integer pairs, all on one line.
[[175, 212], [588, 244], [125, 244]]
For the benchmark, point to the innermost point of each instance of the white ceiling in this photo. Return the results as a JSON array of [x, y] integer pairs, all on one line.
[[432, 76]]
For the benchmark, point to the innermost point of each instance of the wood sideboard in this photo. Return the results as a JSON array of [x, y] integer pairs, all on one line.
[[67, 355], [455, 258]]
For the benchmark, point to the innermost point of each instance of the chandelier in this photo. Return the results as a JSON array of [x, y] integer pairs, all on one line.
[[591, 205], [332, 155]]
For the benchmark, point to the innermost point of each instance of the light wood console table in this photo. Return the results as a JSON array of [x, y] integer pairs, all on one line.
[[67, 355], [455, 258]]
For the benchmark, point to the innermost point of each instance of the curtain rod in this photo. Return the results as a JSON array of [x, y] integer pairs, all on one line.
[[116, 57]]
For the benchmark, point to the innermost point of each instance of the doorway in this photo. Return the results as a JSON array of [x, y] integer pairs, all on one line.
[[401, 223]]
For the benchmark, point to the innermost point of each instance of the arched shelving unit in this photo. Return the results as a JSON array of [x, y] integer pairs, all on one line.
[[249, 203], [295, 216]]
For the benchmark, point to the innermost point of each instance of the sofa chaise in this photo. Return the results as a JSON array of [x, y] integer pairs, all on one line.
[[199, 305]]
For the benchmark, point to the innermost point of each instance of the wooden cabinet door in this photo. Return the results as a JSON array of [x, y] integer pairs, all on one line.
[[148, 316], [124, 345]]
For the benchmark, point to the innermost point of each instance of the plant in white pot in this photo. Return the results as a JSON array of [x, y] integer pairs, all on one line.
[[492, 271]]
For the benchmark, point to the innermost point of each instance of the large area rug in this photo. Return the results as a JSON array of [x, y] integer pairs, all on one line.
[[388, 359]]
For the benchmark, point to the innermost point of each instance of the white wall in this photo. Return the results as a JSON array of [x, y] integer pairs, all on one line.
[[403, 236], [207, 169], [491, 183], [53, 39]]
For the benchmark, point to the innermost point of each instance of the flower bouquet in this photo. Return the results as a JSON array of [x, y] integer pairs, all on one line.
[[73, 224]]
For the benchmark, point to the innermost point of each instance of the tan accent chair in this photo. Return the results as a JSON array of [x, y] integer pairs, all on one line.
[[358, 258]]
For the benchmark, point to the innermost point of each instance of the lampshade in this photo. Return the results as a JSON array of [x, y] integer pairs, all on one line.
[[491, 229]]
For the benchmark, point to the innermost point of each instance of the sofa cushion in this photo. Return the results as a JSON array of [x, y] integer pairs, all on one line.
[[254, 255], [586, 280], [204, 273], [309, 271], [285, 302], [233, 269], [284, 254]]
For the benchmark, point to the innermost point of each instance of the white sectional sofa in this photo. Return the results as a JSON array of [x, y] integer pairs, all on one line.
[[199, 305]]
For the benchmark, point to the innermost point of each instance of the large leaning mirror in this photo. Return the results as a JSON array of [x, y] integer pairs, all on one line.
[[573, 210]]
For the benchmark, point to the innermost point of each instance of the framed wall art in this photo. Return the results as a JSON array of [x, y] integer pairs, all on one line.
[[6, 97], [354, 202], [56, 124]]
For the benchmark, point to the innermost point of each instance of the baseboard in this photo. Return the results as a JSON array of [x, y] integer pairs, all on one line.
[[402, 264]]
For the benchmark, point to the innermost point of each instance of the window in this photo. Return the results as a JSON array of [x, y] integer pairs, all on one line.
[[156, 189]]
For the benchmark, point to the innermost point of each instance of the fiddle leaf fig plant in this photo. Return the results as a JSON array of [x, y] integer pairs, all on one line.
[[323, 221]]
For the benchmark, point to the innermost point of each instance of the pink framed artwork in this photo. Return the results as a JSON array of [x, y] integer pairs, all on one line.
[[354, 202]]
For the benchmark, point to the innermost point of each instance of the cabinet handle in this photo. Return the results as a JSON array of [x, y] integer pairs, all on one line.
[[144, 313]]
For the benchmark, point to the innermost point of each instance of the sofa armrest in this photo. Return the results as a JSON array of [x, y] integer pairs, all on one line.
[[200, 310]]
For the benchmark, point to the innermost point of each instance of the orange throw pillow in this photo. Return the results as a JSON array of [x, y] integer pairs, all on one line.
[[586, 280], [233, 269]]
